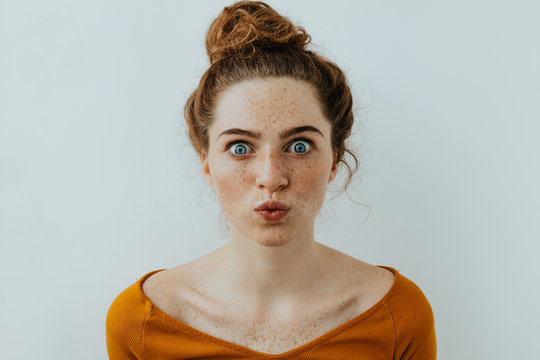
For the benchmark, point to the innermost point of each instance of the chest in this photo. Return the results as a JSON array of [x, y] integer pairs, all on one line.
[[275, 330], [271, 332]]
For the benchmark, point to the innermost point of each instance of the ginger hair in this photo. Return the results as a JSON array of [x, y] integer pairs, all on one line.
[[250, 40]]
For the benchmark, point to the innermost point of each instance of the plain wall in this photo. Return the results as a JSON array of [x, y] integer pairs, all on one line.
[[99, 185]]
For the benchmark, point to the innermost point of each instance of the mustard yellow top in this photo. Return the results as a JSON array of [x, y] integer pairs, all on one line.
[[399, 326]]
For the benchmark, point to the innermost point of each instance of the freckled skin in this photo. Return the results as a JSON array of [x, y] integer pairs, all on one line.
[[268, 172], [272, 288], [189, 299]]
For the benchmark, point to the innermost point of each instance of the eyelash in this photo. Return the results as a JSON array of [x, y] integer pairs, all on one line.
[[231, 154]]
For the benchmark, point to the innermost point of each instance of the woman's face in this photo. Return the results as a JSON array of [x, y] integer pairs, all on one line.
[[269, 141]]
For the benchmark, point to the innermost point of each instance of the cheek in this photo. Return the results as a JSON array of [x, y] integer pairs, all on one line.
[[307, 185], [312, 181], [229, 183]]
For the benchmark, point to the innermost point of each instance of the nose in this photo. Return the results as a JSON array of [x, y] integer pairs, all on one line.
[[271, 174]]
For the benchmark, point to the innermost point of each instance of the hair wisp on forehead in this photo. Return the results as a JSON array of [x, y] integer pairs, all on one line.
[[251, 40]]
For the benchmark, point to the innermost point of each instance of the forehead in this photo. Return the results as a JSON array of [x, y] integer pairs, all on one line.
[[271, 104]]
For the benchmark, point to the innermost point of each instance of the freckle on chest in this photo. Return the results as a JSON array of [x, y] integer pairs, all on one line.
[[273, 333]]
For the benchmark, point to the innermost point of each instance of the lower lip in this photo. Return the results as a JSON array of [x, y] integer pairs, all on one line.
[[272, 215]]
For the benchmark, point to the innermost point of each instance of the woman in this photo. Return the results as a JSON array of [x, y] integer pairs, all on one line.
[[269, 121]]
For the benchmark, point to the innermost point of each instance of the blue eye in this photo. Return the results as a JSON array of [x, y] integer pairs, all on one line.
[[239, 149], [301, 146]]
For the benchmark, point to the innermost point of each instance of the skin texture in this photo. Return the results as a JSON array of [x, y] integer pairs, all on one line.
[[263, 259], [272, 287]]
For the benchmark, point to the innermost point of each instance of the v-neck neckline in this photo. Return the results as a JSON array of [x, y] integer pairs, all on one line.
[[261, 355]]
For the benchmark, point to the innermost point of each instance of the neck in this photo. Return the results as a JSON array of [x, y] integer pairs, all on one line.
[[270, 274]]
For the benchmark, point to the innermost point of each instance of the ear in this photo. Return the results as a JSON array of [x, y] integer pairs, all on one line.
[[206, 170], [333, 172]]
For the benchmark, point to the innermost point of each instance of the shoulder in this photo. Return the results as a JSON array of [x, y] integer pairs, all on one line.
[[375, 284], [131, 303], [413, 319], [407, 300], [125, 320], [369, 283], [162, 288]]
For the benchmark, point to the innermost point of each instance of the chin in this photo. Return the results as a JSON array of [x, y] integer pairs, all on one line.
[[266, 234], [272, 242], [271, 237]]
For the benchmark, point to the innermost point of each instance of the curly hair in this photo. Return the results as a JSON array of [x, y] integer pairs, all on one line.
[[250, 40]]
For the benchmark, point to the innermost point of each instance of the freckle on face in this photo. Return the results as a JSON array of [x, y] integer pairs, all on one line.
[[259, 105]]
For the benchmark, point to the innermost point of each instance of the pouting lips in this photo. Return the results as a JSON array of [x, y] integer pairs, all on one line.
[[271, 206], [272, 215]]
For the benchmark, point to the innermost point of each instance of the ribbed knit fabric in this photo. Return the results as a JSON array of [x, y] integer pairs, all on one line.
[[399, 326]]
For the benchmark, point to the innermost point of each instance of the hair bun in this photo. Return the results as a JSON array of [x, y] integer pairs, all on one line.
[[248, 26]]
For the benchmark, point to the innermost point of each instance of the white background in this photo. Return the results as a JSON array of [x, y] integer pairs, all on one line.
[[98, 183]]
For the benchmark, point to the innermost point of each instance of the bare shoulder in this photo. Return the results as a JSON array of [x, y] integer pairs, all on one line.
[[163, 288], [368, 282], [380, 281], [376, 279], [182, 293]]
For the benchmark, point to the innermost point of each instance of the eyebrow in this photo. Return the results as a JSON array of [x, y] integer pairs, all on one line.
[[283, 134]]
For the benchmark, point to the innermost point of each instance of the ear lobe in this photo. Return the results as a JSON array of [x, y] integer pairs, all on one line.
[[206, 170], [333, 172]]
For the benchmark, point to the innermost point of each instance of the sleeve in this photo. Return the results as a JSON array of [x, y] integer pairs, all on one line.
[[125, 325], [414, 324]]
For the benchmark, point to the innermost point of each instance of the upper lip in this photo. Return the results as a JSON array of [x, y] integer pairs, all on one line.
[[272, 205]]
